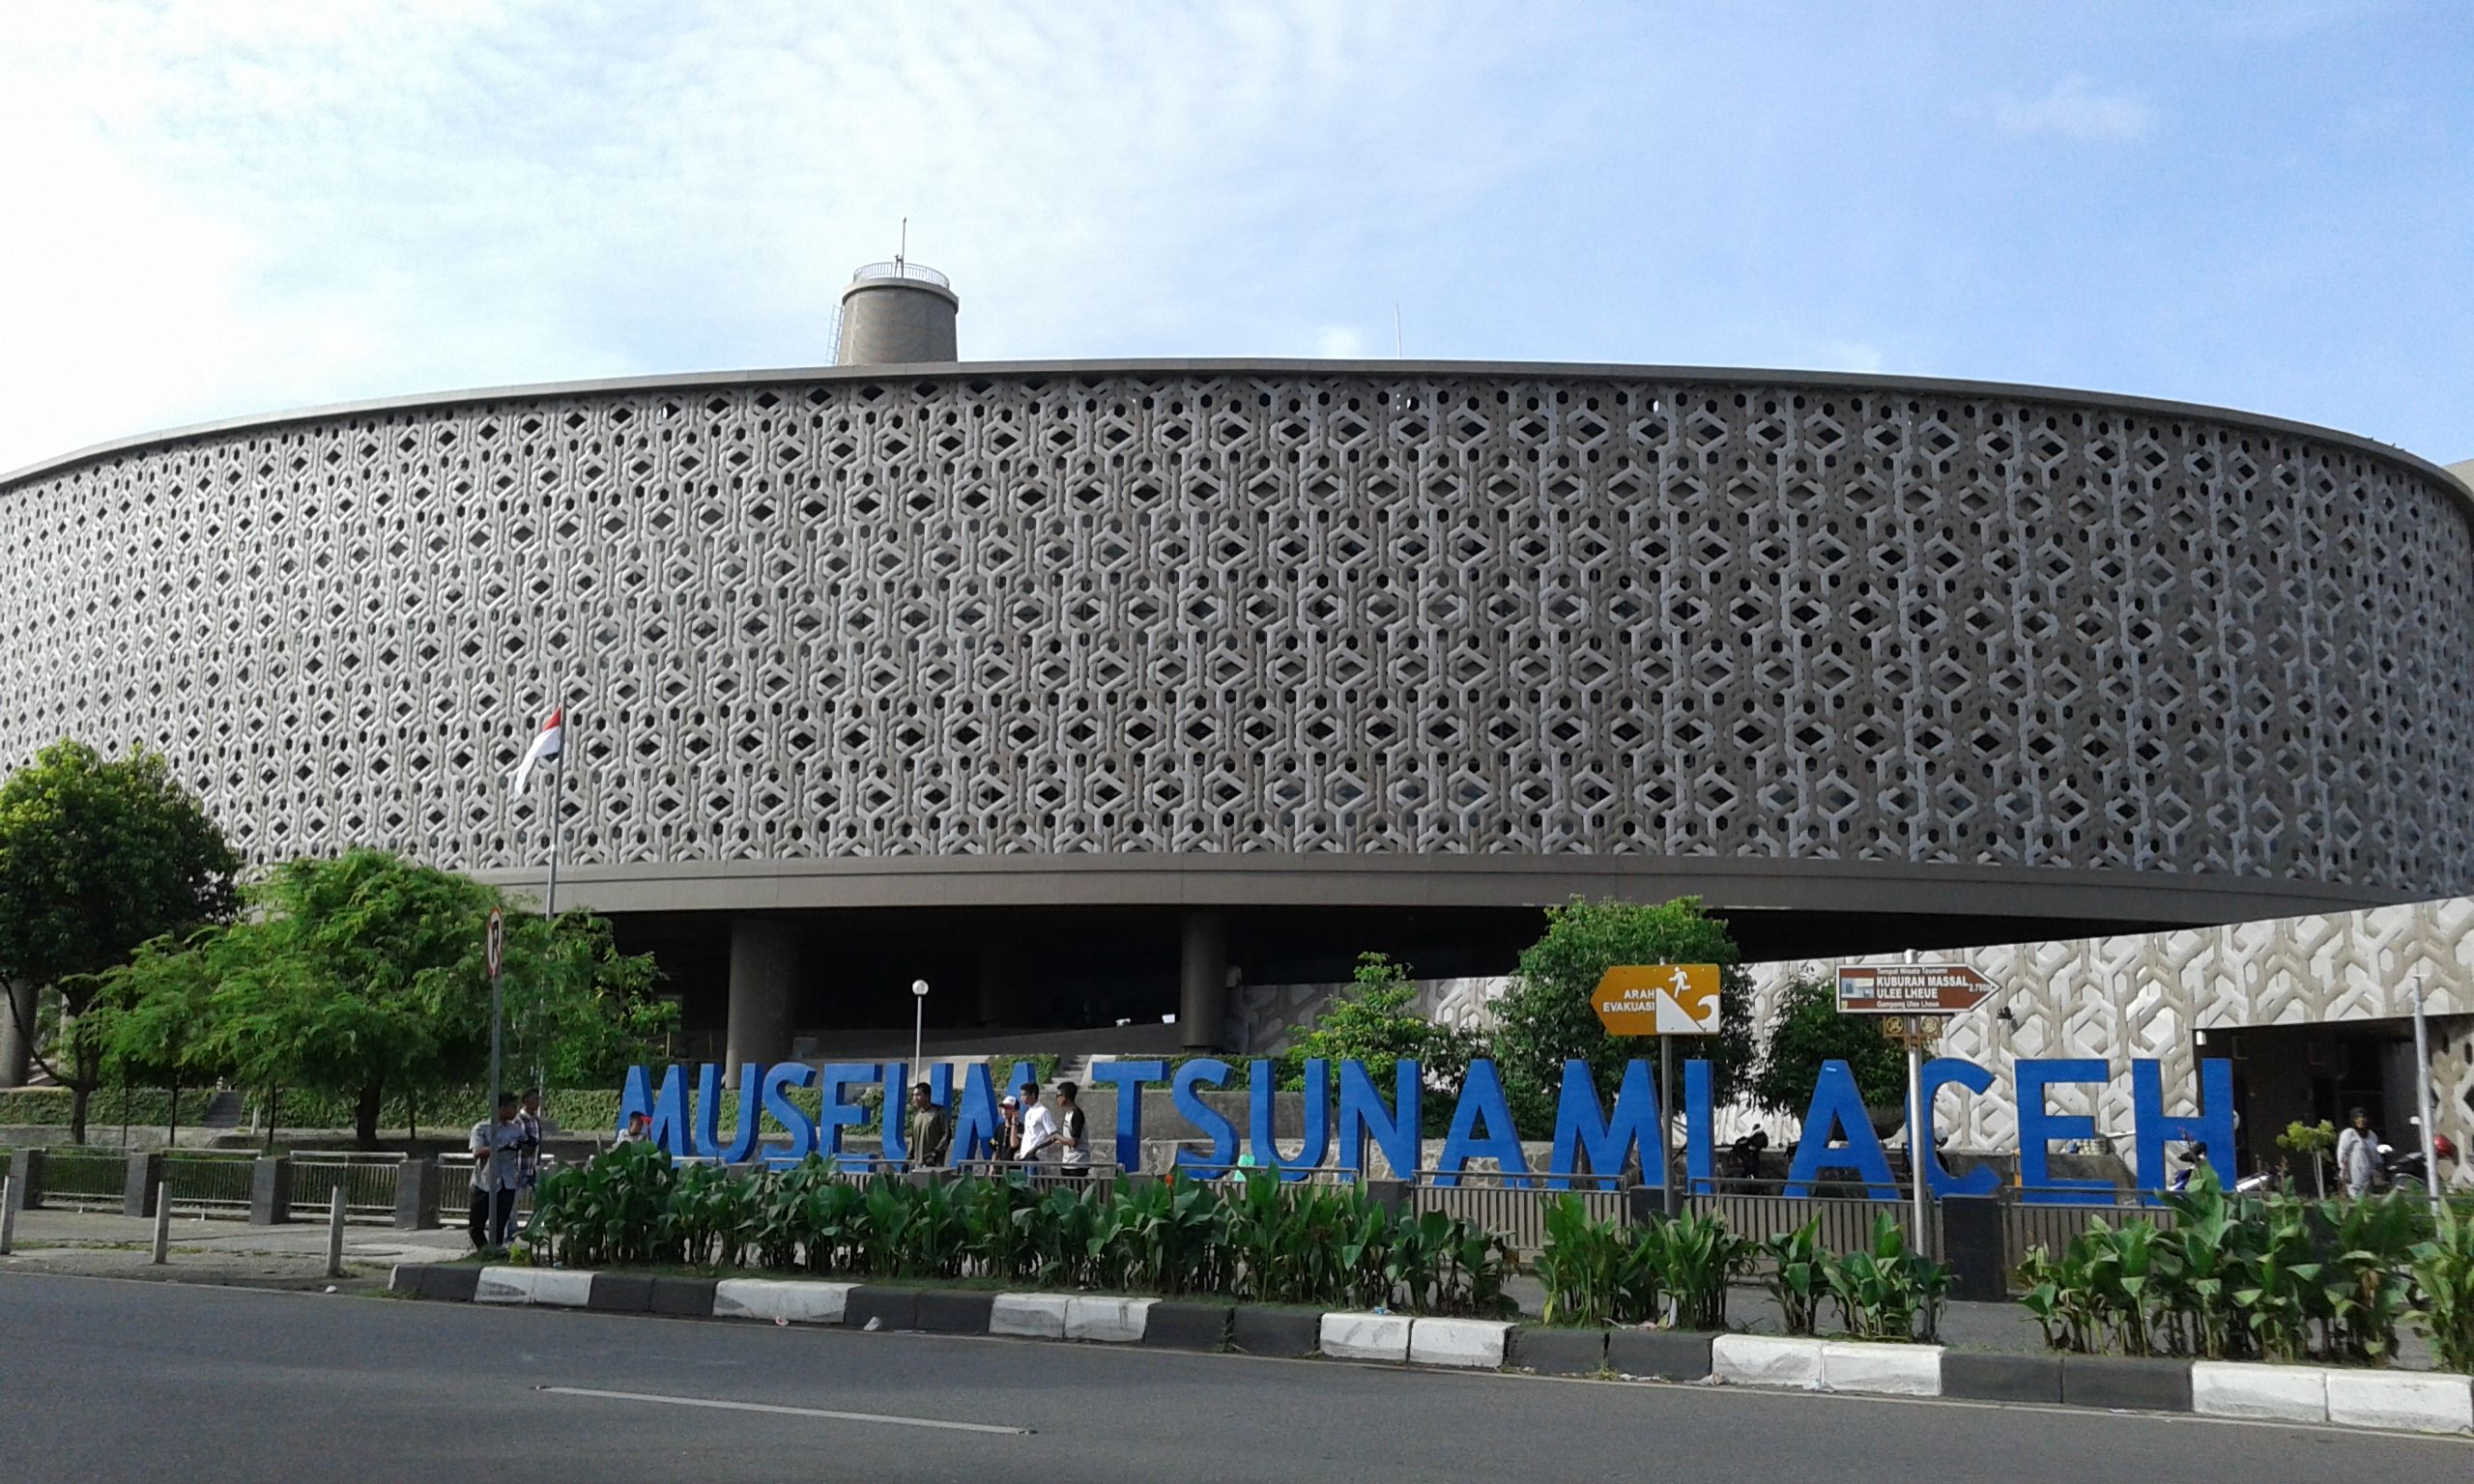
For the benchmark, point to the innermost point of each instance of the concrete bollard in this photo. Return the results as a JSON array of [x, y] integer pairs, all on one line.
[[26, 1166], [271, 1191], [336, 1233], [416, 1196], [145, 1178], [12, 1190], [1972, 1244], [162, 1223]]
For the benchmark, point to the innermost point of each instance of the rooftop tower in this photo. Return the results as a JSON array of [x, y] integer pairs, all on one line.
[[897, 313]]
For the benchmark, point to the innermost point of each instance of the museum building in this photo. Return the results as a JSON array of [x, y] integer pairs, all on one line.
[[1091, 691]]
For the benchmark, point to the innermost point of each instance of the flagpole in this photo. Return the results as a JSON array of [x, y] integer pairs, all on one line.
[[558, 779], [550, 892]]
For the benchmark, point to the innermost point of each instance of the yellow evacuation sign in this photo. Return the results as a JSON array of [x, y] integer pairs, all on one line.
[[1658, 999]]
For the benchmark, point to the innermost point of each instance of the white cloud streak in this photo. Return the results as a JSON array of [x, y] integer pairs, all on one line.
[[2075, 110]]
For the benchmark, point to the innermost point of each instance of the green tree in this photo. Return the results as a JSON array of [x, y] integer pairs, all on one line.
[[1807, 1031], [96, 856], [1375, 1021], [1545, 1018], [368, 973], [152, 1023]]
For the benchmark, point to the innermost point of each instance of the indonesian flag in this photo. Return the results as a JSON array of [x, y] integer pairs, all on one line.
[[544, 747]]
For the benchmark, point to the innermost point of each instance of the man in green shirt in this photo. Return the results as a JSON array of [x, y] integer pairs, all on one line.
[[931, 1135]]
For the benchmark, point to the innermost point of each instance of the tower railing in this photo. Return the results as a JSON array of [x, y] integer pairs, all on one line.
[[899, 268]]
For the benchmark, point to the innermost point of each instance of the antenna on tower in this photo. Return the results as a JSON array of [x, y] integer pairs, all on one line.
[[902, 251]]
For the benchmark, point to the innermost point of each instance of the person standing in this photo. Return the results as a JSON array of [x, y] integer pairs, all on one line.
[[2357, 1156], [1072, 1143], [1039, 1127], [527, 1123], [497, 1162], [931, 1134], [1008, 1134]]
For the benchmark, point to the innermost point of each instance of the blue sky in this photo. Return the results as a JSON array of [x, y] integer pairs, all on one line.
[[232, 207]]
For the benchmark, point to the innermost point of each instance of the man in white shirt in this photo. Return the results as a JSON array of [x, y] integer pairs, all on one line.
[[1039, 1127], [497, 1147], [1072, 1138], [2357, 1156]]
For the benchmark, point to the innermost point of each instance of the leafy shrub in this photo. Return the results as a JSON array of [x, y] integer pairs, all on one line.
[[1888, 1290], [1583, 1267], [1294, 1243], [109, 1107], [2237, 1278], [1673, 1272], [1695, 1258], [1799, 1276], [2444, 1274]]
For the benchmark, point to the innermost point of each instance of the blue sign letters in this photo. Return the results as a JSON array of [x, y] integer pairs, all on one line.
[[1590, 1137]]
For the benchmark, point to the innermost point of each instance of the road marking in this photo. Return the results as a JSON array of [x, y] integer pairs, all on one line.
[[788, 1411]]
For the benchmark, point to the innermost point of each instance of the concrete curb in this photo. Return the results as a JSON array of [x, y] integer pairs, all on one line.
[[1364, 1337], [1568, 1351], [1466, 1344], [784, 1303], [1272, 1331], [1171, 1325], [1662, 1355], [2387, 1401]]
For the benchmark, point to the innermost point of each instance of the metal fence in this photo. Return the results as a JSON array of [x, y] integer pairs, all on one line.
[[1516, 1212], [2026, 1227], [368, 1182], [1038, 1175], [201, 1184], [85, 1178], [1762, 1210]]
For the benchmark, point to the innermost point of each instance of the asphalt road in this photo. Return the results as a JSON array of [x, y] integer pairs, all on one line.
[[103, 1380]]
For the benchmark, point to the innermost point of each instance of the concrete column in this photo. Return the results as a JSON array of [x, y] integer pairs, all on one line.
[[16, 1051], [1203, 979], [763, 953]]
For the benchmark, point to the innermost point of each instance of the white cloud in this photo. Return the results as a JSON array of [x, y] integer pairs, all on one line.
[[2075, 110], [248, 206], [1341, 342]]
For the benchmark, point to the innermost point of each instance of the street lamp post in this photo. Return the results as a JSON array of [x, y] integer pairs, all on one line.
[[2423, 1101], [918, 1025]]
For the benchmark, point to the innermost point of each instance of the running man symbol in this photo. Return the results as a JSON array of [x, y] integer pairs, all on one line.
[[1658, 999]]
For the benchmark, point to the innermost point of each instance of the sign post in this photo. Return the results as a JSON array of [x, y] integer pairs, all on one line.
[[1919, 994], [497, 952], [1664, 1000]]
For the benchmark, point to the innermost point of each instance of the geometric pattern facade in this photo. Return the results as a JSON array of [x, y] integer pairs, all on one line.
[[2139, 996], [2143, 994], [1173, 608]]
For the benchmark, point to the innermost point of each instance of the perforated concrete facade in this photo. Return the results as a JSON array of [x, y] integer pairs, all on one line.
[[2118, 999], [1308, 629]]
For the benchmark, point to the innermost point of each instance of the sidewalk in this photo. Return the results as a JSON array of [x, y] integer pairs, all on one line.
[[94, 1244]]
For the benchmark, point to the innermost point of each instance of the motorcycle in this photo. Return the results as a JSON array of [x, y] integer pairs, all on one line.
[[1743, 1156], [2408, 1171]]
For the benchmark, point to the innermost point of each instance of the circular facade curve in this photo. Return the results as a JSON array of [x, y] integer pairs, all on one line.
[[1193, 633]]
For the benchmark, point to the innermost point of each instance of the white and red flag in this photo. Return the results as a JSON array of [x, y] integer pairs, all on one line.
[[544, 748]]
